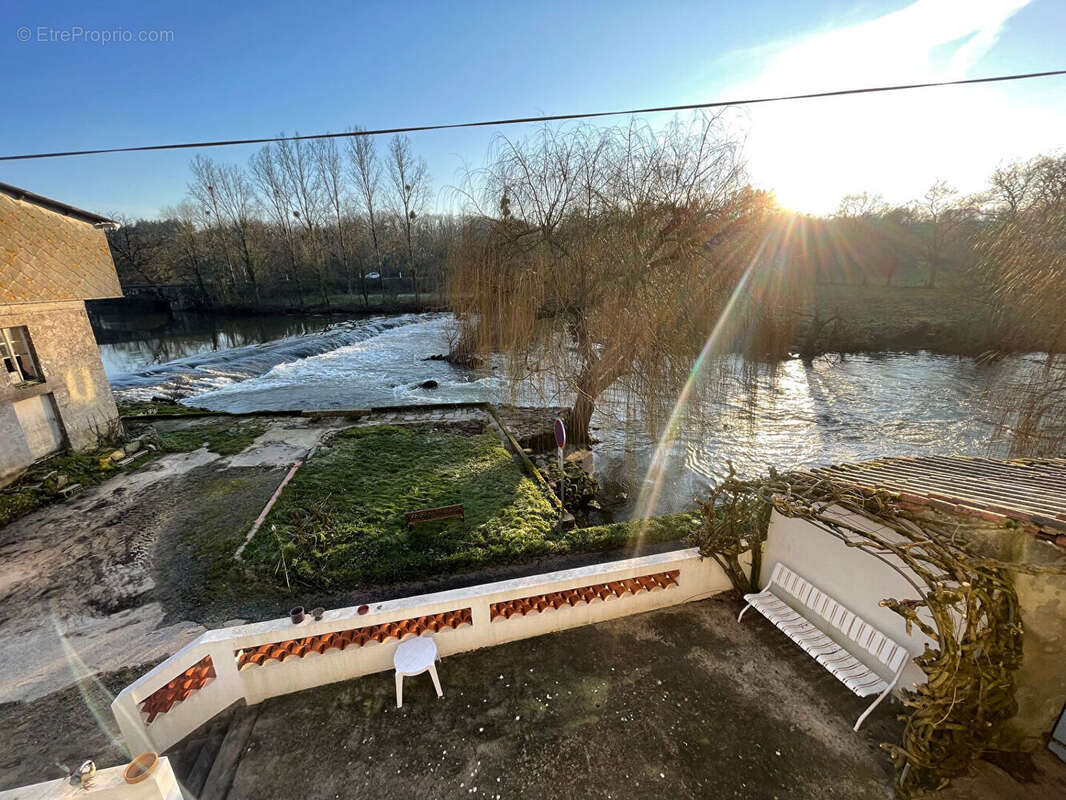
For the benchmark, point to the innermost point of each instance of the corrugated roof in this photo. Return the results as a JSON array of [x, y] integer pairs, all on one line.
[[1031, 491]]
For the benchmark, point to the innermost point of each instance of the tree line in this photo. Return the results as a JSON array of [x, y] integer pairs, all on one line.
[[301, 224], [308, 224]]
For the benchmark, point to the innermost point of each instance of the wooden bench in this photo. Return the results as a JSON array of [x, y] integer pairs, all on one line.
[[431, 514], [805, 614]]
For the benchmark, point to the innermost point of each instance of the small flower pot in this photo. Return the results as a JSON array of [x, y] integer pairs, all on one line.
[[318, 612], [362, 610], [297, 615], [141, 767]]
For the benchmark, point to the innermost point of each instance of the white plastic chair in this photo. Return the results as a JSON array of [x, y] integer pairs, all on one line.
[[413, 657]]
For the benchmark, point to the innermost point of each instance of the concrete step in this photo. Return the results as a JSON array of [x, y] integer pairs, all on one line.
[[220, 780], [193, 757]]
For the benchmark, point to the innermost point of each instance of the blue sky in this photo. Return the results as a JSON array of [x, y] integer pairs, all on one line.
[[256, 69]]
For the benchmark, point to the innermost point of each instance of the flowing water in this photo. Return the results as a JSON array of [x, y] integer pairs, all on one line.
[[830, 411]]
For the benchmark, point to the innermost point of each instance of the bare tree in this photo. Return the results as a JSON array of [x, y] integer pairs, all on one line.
[[333, 178], [272, 188], [366, 170], [189, 248], [604, 258], [204, 190], [296, 163], [861, 204], [938, 210], [227, 191], [136, 247], [410, 189], [1022, 255]]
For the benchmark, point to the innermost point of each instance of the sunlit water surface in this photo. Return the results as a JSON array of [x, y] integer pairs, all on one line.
[[830, 411]]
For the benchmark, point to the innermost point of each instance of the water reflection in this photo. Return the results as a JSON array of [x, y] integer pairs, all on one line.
[[132, 342]]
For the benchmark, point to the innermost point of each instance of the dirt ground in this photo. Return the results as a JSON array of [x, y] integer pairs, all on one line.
[[97, 583], [679, 703]]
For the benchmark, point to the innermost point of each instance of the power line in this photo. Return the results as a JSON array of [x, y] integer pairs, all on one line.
[[547, 118]]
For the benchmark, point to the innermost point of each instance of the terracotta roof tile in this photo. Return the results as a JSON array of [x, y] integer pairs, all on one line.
[[162, 699], [537, 603], [400, 629]]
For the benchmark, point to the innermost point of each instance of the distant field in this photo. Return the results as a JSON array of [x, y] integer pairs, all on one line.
[[949, 319]]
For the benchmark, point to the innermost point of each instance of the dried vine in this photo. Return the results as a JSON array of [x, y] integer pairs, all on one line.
[[734, 523], [964, 602]]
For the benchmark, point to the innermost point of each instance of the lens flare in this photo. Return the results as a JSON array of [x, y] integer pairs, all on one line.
[[774, 241]]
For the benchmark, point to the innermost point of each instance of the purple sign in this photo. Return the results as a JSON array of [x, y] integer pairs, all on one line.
[[560, 433]]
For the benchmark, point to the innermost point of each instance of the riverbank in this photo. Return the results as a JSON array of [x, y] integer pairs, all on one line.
[[347, 304], [949, 319]]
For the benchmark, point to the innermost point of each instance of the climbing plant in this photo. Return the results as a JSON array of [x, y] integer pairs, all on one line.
[[964, 602], [733, 523]]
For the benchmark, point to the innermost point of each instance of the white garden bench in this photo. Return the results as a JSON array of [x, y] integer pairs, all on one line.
[[808, 628]]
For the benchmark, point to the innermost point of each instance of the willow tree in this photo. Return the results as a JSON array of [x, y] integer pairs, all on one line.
[[604, 257], [1022, 255]]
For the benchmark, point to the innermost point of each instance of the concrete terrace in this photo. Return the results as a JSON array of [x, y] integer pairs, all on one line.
[[681, 702]]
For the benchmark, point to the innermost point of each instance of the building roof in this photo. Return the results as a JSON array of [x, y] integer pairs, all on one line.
[[1031, 491], [55, 205], [52, 252]]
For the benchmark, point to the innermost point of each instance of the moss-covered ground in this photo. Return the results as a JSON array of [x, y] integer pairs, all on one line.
[[340, 525], [226, 437], [151, 408], [39, 486]]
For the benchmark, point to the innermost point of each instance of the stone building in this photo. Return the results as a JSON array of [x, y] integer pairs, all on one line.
[[53, 390]]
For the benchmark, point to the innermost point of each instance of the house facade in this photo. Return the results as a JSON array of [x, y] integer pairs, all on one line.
[[53, 390]]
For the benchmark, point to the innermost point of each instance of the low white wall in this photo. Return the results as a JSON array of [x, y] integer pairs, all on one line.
[[107, 784], [852, 577], [698, 578]]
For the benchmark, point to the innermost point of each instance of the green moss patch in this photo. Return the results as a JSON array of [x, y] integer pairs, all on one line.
[[340, 521], [226, 438], [40, 485], [655, 530], [145, 408]]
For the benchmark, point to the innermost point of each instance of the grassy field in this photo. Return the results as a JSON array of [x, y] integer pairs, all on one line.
[[340, 521], [946, 319]]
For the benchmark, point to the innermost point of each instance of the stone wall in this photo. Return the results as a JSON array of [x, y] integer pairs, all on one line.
[[1041, 681], [73, 376]]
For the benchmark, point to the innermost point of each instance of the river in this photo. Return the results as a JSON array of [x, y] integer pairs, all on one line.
[[831, 411]]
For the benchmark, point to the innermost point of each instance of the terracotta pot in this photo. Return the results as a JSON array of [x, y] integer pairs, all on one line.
[[362, 610], [141, 767], [297, 615]]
